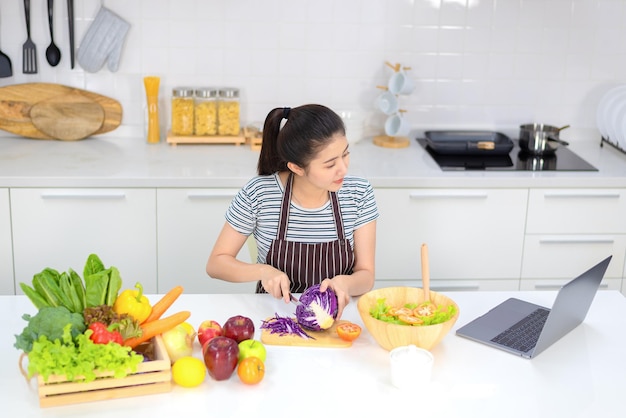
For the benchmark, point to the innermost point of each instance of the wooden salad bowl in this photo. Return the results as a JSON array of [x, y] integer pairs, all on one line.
[[390, 336]]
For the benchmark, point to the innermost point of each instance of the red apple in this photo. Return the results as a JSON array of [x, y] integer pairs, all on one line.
[[238, 328], [221, 356], [208, 330]]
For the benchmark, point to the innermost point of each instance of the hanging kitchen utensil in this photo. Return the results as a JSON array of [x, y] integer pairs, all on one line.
[[29, 50], [70, 21], [53, 53], [538, 138], [6, 69], [103, 42]]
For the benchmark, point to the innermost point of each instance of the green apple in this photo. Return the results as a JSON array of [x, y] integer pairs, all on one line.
[[252, 348]]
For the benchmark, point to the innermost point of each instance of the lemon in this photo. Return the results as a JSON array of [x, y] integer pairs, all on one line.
[[188, 371]]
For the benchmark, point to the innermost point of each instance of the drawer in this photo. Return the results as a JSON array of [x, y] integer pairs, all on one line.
[[567, 256], [576, 211]]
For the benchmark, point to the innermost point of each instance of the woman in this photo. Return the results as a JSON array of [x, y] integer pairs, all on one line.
[[312, 223]]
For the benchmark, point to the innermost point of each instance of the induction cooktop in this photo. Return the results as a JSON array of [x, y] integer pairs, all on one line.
[[563, 159]]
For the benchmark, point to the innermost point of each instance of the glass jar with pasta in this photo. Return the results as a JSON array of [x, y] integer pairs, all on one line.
[[205, 111], [228, 112], [182, 111]]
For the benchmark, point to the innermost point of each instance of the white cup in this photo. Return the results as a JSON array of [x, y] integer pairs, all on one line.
[[354, 122], [401, 83], [411, 367], [396, 125], [387, 103]]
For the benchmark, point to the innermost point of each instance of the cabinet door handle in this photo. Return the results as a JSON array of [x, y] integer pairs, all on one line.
[[212, 194], [447, 194], [558, 286], [575, 195], [452, 288], [576, 241], [83, 194]]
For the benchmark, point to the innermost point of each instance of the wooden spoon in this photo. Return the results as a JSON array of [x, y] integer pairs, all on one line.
[[425, 273]]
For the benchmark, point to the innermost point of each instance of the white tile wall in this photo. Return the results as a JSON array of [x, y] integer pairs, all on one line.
[[477, 63]]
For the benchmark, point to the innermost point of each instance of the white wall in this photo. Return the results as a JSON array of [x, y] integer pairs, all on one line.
[[476, 62]]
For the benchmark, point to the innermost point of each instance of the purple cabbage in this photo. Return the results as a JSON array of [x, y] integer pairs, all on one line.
[[283, 325], [318, 310]]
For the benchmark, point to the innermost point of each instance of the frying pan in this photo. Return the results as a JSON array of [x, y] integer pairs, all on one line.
[[539, 139]]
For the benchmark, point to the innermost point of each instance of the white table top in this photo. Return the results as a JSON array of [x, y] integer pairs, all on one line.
[[583, 374]]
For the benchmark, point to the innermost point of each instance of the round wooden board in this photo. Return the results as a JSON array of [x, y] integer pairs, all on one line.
[[391, 141], [68, 117]]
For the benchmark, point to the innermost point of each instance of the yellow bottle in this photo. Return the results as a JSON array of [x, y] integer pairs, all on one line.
[[151, 84]]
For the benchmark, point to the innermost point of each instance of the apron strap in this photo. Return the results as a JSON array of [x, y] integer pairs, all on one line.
[[286, 204]]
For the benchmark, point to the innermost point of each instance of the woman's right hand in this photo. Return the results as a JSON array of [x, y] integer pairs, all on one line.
[[275, 282]]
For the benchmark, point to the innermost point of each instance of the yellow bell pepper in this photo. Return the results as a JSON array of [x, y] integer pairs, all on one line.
[[133, 303]]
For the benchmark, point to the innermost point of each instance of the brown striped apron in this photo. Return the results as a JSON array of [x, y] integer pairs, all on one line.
[[307, 264]]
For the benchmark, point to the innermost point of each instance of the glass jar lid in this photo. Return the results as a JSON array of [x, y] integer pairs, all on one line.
[[229, 92], [182, 92], [206, 92]]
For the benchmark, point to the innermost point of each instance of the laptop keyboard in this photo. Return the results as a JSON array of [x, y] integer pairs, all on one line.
[[523, 335]]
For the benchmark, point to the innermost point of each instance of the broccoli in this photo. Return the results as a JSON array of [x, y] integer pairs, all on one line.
[[49, 321]]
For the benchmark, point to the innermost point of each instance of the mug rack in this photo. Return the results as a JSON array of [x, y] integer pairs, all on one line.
[[388, 141], [604, 140]]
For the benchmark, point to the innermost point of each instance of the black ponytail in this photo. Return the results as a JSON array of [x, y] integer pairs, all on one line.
[[306, 130]]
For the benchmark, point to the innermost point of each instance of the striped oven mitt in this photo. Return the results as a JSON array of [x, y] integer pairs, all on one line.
[[103, 42]]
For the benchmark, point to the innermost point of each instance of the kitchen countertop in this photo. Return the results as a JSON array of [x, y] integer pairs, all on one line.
[[109, 161], [581, 375]]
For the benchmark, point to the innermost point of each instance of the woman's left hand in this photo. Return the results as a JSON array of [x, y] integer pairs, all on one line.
[[343, 297]]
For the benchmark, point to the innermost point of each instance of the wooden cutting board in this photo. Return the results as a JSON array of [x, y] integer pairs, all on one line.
[[327, 338], [55, 111]]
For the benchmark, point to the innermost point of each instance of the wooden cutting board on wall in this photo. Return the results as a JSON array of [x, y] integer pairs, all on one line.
[[55, 111], [327, 338]]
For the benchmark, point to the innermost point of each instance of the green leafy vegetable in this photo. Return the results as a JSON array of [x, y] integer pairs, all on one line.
[[78, 358], [51, 288], [50, 322]]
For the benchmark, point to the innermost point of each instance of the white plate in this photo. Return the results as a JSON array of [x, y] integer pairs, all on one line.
[[613, 121], [604, 109], [621, 132]]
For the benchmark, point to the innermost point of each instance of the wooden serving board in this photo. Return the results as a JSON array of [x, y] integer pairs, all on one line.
[[327, 338], [55, 111]]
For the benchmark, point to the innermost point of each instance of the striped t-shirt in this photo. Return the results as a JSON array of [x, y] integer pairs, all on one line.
[[256, 210]]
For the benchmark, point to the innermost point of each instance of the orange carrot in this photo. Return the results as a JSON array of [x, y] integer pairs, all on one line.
[[163, 304], [159, 326]]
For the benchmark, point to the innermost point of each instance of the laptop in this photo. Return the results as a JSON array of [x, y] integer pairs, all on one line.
[[526, 329]]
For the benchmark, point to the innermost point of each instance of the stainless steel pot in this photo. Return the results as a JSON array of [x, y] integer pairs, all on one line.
[[538, 138]]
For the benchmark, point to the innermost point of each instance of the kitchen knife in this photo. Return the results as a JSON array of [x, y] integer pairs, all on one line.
[[294, 300], [70, 20]]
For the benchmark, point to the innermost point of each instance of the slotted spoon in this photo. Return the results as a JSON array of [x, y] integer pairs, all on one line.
[[29, 50]]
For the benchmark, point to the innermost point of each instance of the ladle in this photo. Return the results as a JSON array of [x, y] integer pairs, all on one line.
[[53, 53]]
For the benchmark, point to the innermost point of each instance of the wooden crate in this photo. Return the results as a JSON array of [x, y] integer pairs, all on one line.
[[151, 377], [199, 139]]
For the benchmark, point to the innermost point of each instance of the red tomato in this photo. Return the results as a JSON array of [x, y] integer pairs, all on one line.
[[348, 331], [410, 319]]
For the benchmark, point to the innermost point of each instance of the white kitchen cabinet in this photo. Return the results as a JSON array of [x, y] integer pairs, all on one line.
[[59, 228], [189, 221], [7, 284], [570, 230], [474, 236]]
